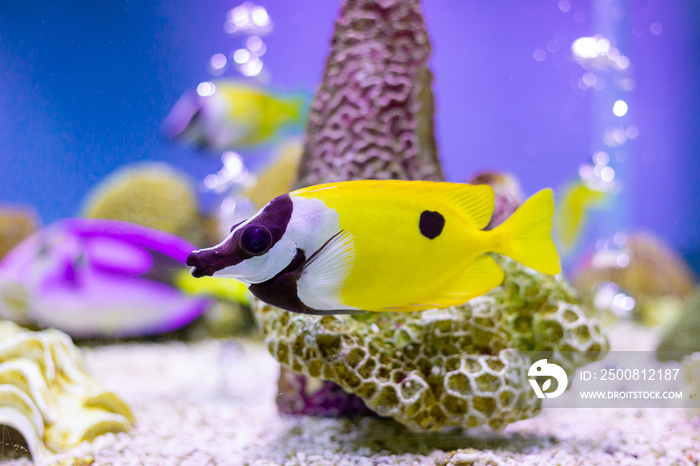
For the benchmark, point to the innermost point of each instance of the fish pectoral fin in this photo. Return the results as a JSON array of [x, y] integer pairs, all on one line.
[[325, 270], [480, 277], [483, 275]]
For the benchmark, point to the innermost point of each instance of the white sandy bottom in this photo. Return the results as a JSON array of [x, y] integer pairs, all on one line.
[[212, 403]]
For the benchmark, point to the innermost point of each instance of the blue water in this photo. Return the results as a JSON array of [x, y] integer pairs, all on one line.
[[85, 85]]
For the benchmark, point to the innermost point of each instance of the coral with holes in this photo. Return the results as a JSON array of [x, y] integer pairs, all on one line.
[[463, 366]]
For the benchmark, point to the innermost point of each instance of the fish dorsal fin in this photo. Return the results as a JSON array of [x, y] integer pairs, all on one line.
[[475, 202], [325, 271]]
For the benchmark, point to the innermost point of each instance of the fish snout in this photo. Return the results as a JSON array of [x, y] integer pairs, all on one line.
[[201, 263], [206, 262]]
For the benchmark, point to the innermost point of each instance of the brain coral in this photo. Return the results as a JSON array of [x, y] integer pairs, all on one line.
[[153, 195], [463, 366], [372, 116]]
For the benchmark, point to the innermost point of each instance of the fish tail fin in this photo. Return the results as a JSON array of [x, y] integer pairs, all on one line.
[[299, 105], [572, 213], [526, 235]]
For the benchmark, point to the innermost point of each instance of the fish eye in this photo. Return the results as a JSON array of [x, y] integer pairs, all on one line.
[[256, 240]]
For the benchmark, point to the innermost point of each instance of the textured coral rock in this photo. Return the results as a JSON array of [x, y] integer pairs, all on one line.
[[642, 266], [372, 116], [463, 366], [651, 269], [15, 225], [47, 395], [153, 195], [684, 336]]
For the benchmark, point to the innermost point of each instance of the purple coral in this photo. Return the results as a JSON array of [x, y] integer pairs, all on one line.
[[372, 116], [508, 195], [299, 394]]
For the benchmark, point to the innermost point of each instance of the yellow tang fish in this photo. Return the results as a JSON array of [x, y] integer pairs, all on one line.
[[379, 246], [232, 115]]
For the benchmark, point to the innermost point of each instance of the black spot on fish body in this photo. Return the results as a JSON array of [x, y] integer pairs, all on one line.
[[431, 224]]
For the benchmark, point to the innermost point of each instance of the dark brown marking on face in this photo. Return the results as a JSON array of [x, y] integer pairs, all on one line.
[[274, 219], [281, 290]]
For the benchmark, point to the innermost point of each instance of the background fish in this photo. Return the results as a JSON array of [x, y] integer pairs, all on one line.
[[578, 199], [379, 245], [92, 277], [232, 115], [220, 288]]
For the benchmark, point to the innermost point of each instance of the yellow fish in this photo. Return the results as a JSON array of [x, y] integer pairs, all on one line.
[[221, 288], [577, 200], [228, 114], [379, 246]]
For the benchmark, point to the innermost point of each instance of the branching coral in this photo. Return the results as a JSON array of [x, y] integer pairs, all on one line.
[[47, 395], [462, 366]]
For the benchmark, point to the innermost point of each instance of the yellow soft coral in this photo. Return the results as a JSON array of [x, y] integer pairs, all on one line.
[[47, 395]]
